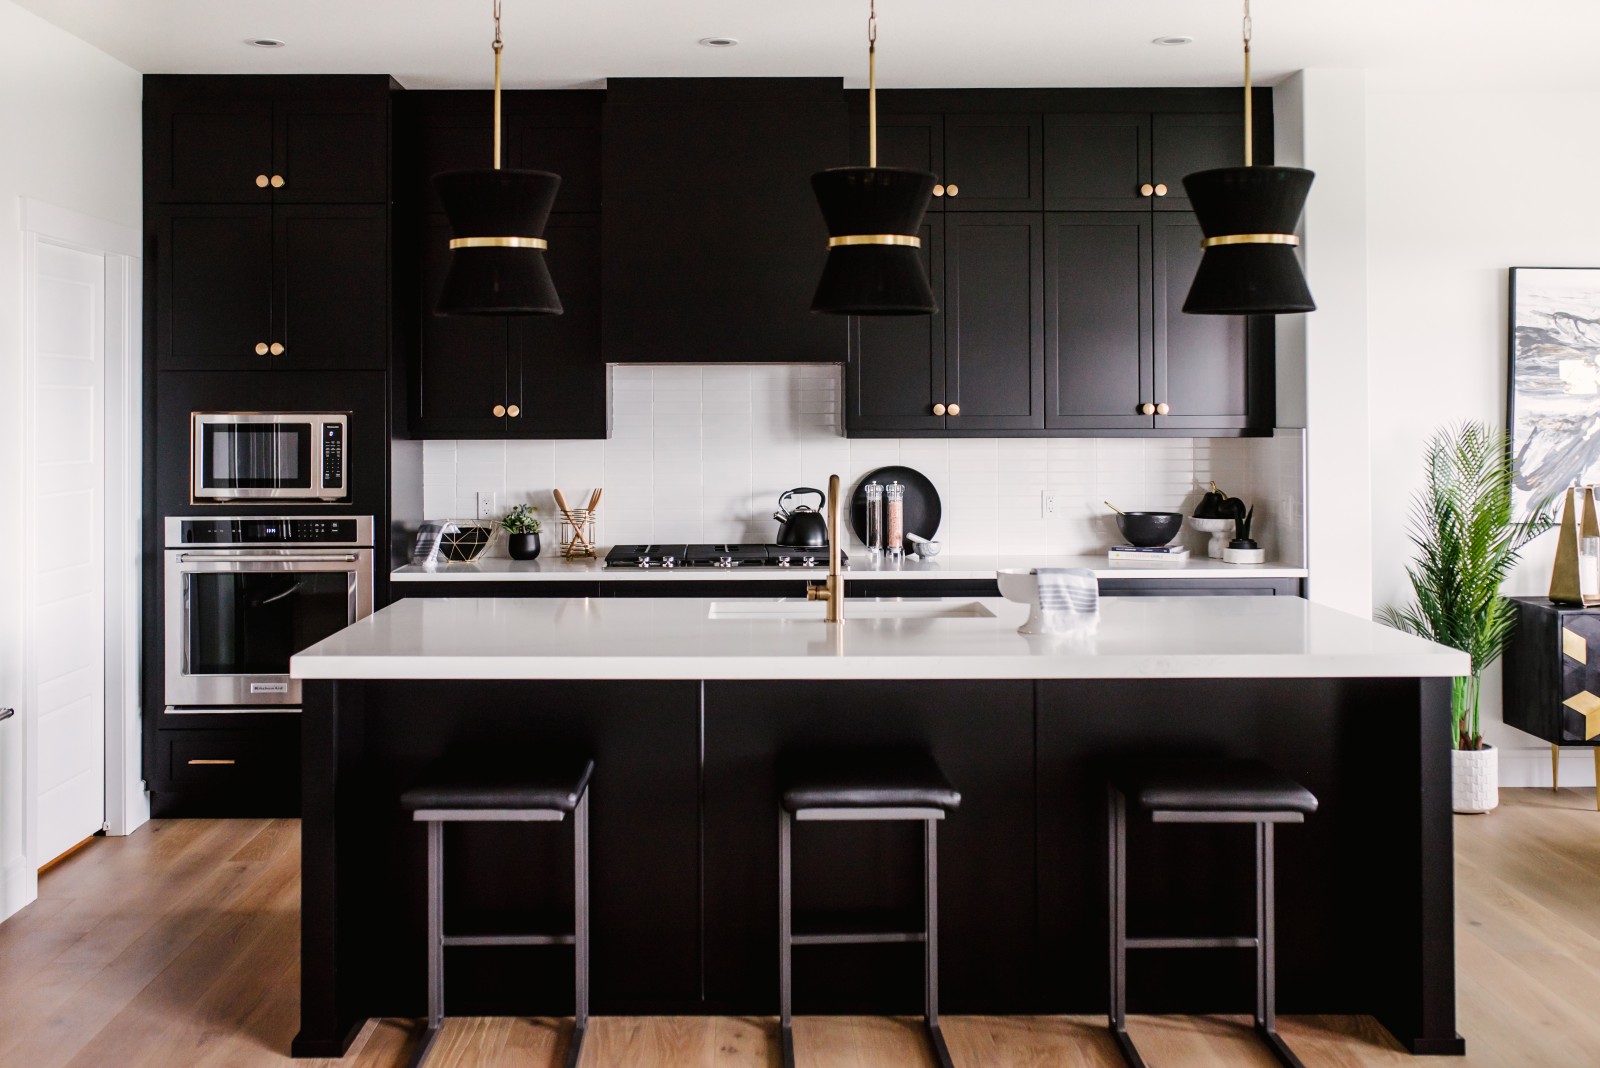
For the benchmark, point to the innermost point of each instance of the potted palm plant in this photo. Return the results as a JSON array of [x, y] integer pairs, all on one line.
[[522, 527], [1461, 524]]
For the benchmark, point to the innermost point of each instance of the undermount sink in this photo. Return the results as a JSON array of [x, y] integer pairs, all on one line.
[[782, 611]]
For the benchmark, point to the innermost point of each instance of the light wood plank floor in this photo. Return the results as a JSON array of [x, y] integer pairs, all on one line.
[[177, 945]]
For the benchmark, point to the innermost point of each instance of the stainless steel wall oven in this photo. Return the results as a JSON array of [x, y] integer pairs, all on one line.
[[244, 594]]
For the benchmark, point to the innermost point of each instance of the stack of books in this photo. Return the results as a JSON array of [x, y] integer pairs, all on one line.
[[1173, 555]]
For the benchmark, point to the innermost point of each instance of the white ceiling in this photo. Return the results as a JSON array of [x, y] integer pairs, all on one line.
[[1527, 44]]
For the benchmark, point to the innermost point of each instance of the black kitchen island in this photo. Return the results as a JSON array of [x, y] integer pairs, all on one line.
[[686, 706]]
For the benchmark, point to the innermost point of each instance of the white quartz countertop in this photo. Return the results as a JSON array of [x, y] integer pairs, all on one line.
[[697, 638], [554, 568]]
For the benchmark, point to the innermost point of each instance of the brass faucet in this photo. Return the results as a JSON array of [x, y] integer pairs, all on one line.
[[832, 590]]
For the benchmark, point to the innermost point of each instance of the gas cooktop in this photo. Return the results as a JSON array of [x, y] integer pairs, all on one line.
[[666, 556]]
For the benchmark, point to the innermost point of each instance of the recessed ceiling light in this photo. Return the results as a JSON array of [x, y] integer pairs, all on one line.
[[1175, 40], [719, 42], [265, 42]]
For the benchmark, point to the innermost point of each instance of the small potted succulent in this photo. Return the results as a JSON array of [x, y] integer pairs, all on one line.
[[522, 528], [1243, 549]]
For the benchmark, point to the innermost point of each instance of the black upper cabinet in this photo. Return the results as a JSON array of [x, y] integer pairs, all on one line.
[[1120, 353], [1211, 371], [895, 372], [292, 287], [994, 321], [263, 140], [976, 366], [992, 162], [545, 131], [517, 377], [980, 162], [1098, 312], [1136, 160], [711, 237]]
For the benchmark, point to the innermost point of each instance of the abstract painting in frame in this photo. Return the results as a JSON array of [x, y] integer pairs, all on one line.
[[1554, 391]]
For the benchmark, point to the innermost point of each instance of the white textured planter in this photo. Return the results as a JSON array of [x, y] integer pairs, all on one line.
[[1475, 779]]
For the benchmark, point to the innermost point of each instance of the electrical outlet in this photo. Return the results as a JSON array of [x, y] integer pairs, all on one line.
[[486, 508], [1047, 504]]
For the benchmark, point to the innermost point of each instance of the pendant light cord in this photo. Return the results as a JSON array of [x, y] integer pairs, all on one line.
[[1249, 108], [498, 46], [872, 85]]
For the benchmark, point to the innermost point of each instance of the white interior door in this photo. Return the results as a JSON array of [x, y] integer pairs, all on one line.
[[65, 515]]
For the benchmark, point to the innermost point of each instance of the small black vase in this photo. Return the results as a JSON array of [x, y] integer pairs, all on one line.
[[523, 546]]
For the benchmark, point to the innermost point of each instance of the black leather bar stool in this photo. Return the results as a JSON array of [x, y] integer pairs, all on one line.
[[540, 790], [1223, 791], [863, 786]]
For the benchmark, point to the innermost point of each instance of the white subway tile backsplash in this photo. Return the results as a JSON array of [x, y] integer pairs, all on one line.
[[701, 453]]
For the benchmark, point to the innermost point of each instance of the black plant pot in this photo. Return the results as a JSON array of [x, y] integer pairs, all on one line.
[[523, 546]]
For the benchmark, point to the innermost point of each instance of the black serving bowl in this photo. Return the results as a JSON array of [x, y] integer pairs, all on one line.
[[1148, 530]]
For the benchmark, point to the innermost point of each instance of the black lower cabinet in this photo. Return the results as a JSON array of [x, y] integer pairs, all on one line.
[[869, 875], [245, 764]]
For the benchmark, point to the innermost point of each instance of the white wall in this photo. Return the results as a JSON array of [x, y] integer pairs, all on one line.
[[700, 454], [69, 135], [1462, 186]]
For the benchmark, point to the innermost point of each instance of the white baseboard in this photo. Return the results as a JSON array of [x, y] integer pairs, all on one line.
[[1531, 766], [19, 886]]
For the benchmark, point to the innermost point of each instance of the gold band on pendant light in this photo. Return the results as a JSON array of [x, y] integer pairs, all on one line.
[[1251, 239], [499, 242], [874, 239]]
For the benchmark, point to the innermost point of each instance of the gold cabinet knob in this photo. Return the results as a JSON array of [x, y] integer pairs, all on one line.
[[1147, 409], [954, 409], [276, 348], [1163, 408], [938, 190], [261, 181], [261, 348], [938, 409], [952, 189], [513, 411], [499, 411], [1161, 189], [1146, 189], [277, 181]]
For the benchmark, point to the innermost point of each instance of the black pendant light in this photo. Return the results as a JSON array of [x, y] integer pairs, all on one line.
[[497, 256], [1248, 215], [873, 214]]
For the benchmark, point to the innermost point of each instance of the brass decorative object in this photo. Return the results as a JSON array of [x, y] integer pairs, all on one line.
[[1577, 526]]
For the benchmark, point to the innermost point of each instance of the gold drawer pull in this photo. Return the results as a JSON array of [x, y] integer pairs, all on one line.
[[261, 348], [1163, 408], [213, 761], [513, 411], [1161, 189], [276, 349], [954, 409], [1146, 189], [938, 190], [277, 181], [262, 181], [1147, 409], [499, 411], [952, 189], [938, 409]]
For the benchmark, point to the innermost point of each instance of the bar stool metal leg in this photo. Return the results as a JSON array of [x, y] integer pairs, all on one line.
[[1266, 948], [435, 944], [580, 927], [930, 945], [785, 937], [1117, 846]]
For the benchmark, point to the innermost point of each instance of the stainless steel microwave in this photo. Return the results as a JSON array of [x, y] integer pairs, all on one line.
[[279, 456]]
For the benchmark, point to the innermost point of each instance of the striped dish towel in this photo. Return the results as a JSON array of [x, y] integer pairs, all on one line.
[[1069, 599]]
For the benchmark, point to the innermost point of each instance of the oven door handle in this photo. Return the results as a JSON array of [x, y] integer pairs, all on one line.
[[296, 558]]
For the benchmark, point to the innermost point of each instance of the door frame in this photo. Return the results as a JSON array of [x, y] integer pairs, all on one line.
[[127, 802]]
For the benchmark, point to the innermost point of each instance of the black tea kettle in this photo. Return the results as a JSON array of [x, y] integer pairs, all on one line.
[[805, 527]]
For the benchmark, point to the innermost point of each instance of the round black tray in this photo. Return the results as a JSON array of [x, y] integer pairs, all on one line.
[[923, 510]]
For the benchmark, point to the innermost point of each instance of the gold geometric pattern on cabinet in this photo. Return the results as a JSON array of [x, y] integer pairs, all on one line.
[[1580, 677]]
